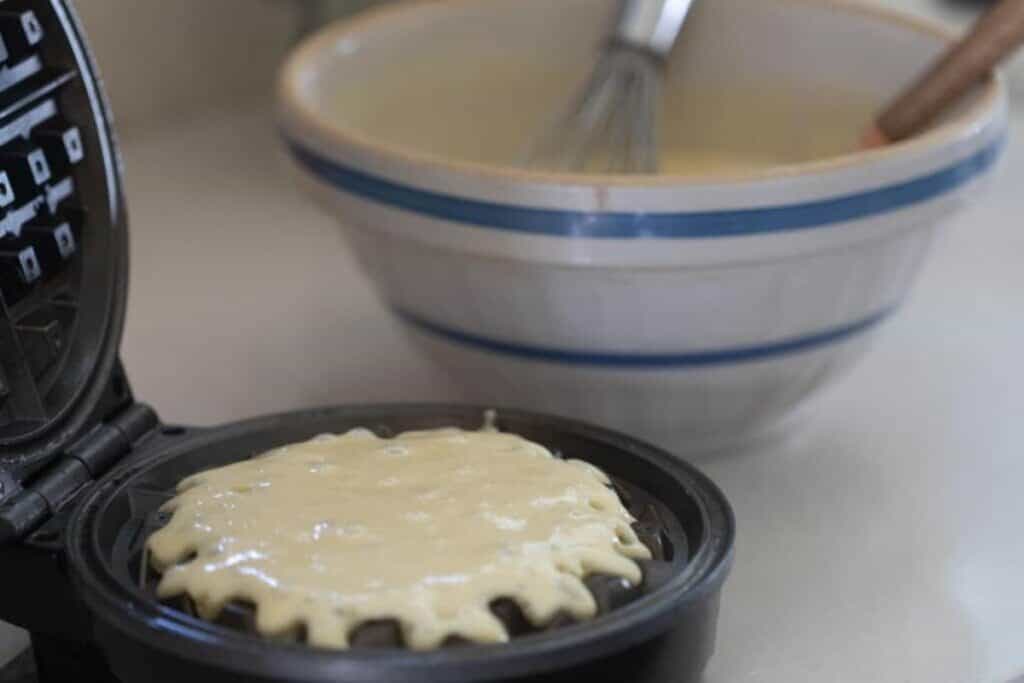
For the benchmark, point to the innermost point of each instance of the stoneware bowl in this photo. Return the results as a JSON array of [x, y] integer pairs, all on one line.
[[683, 308]]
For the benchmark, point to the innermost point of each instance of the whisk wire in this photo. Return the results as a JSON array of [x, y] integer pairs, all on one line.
[[610, 123]]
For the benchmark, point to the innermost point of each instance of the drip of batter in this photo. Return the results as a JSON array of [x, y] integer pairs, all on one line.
[[427, 529]]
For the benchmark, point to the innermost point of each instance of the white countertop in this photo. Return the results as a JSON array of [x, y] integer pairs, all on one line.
[[881, 539]]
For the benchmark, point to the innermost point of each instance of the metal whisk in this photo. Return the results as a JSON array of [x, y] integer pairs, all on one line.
[[612, 123]]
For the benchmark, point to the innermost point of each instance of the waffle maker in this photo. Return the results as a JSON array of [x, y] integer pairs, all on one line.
[[84, 467]]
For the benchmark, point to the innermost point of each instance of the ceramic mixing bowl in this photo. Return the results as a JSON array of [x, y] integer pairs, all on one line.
[[682, 307]]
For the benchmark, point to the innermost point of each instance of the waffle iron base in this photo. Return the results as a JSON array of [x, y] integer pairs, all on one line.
[[665, 634]]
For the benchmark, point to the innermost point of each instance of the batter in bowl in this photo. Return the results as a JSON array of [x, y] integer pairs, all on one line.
[[426, 529]]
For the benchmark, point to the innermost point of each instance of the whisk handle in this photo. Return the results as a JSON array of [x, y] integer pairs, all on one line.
[[995, 35], [652, 25]]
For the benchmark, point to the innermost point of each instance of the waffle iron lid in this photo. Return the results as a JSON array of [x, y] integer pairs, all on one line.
[[63, 244]]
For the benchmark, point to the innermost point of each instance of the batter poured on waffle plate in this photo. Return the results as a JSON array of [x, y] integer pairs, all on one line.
[[425, 529]]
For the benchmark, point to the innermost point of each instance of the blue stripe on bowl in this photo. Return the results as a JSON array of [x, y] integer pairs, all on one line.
[[638, 360], [611, 225]]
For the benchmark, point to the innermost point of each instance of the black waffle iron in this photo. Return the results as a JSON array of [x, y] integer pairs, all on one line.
[[84, 467]]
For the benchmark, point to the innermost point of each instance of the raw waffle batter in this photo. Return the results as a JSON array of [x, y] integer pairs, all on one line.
[[427, 529]]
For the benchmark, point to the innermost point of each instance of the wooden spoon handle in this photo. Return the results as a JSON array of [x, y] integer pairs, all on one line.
[[993, 37]]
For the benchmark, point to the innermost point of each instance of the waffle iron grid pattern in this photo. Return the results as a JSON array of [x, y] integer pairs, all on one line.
[[41, 218]]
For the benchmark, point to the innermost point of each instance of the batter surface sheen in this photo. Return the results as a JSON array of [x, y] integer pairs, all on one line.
[[427, 528]]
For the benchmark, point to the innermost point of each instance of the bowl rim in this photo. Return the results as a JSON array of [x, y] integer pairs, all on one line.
[[298, 116]]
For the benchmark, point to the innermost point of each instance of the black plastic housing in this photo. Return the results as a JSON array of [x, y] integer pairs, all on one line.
[[145, 640], [59, 334]]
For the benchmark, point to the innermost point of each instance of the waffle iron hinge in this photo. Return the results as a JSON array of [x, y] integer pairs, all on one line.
[[84, 461]]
